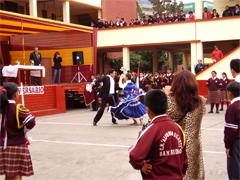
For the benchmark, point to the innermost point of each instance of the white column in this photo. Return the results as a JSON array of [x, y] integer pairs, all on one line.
[[155, 59], [185, 61], [126, 58], [196, 54], [171, 60], [33, 8], [198, 9], [66, 11], [99, 14]]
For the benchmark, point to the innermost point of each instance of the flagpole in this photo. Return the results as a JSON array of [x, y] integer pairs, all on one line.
[[23, 47]]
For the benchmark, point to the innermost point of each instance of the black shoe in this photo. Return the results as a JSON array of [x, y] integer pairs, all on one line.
[[115, 122], [221, 110], [210, 112], [217, 112], [94, 124]]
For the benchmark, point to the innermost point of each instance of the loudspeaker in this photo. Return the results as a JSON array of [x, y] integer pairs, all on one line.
[[78, 58], [44, 13], [54, 17]]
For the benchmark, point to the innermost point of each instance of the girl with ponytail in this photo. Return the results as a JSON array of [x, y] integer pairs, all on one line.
[[15, 159]]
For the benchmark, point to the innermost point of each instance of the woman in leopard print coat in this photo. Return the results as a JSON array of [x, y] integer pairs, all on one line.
[[194, 104]]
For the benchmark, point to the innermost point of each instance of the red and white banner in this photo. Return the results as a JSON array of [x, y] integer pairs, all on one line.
[[31, 90]]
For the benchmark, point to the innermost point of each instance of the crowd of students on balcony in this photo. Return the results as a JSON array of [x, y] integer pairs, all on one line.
[[165, 19]]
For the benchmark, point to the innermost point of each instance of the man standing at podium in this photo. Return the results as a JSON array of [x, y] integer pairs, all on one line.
[[36, 58]]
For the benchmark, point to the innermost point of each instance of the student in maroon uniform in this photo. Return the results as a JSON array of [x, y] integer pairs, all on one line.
[[98, 75], [122, 22], [132, 23], [15, 159], [117, 23], [163, 19], [151, 20], [106, 25], [137, 22], [158, 18], [142, 85], [232, 131], [149, 78], [176, 17], [157, 81], [224, 96], [214, 84], [111, 24], [182, 16], [144, 21], [168, 78], [160, 150], [170, 18]]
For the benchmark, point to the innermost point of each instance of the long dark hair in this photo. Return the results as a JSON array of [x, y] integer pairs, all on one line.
[[8, 90], [55, 55], [185, 91]]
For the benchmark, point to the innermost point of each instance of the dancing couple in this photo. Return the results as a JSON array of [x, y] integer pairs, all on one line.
[[129, 106]]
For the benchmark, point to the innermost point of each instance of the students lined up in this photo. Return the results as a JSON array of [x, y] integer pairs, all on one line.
[[166, 18], [217, 91]]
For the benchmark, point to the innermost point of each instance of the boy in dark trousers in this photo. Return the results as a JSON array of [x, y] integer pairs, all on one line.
[[232, 131], [160, 150]]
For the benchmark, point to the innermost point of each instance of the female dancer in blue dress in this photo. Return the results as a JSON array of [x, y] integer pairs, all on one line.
[[129, 107]]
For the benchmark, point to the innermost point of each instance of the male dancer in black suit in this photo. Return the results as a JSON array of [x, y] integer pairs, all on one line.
[[107, 93], [37, 58]]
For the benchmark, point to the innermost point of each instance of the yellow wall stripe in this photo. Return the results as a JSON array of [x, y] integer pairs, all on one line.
[[66, 55]]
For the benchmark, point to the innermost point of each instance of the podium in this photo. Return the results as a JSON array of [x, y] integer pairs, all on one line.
[[47, 63]]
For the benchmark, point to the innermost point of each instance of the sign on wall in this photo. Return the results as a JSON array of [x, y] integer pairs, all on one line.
[[31, 90], [191, 6]]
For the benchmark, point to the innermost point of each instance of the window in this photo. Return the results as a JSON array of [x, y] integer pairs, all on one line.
[[21, 9]]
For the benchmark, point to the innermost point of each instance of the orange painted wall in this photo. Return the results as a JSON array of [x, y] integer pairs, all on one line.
[[65, 53]]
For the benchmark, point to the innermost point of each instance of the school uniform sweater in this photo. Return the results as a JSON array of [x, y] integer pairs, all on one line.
[[143, 84], [15, 126], [232, 123], [168, 78], [163, 143], [157, 82], [224, 83], [214, 84]]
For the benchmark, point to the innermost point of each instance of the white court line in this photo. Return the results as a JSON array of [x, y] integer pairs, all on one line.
[[212, 129], [79, 143], [42, 118], [85, 124], [104, 145], [214, 152]]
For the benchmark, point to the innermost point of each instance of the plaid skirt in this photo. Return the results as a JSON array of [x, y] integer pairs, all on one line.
[[224, 95], [15, 160], [213, 97]]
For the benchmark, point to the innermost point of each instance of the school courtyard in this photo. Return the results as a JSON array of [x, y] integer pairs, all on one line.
[[68, 147]]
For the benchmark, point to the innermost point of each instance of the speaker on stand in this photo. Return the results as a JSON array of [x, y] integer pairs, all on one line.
[[78, 60]]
